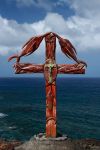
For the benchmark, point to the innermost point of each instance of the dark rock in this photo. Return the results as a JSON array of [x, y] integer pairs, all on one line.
[[9, 145]]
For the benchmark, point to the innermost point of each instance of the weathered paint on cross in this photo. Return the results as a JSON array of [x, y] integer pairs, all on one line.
[[50, 70]]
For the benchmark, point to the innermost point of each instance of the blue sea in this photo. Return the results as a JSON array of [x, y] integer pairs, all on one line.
[[22, 107]]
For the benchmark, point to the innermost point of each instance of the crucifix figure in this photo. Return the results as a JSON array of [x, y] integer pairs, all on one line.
[[50, 70]]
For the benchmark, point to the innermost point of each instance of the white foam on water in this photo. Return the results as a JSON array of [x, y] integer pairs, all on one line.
[[3, 115], [12, 127]]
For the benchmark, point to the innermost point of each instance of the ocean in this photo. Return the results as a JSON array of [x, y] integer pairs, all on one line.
[[22, 107]]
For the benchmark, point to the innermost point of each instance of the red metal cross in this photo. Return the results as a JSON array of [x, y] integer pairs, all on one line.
[[50, 70]]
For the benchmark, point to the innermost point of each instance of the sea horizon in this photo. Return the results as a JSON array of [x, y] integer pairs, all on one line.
[[44, 78]]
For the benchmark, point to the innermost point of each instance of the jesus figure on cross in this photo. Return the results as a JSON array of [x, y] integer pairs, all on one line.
[[50, 70]]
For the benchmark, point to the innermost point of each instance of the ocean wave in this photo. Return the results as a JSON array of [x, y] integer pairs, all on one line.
[[2, 115], [12, 127]]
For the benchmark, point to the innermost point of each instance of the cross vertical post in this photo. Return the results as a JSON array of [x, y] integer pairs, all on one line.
[[50, 72]]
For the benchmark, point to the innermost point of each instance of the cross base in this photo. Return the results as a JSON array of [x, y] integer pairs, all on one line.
[[40, 142]]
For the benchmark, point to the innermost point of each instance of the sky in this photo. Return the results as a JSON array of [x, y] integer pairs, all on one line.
[[78, 21]]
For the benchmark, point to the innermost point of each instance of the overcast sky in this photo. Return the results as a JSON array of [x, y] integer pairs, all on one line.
[[77, 20]]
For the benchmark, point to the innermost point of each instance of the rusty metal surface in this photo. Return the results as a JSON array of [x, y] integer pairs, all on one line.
[[50, 70]]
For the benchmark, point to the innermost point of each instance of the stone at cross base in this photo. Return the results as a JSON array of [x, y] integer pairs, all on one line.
[[50, 70]]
